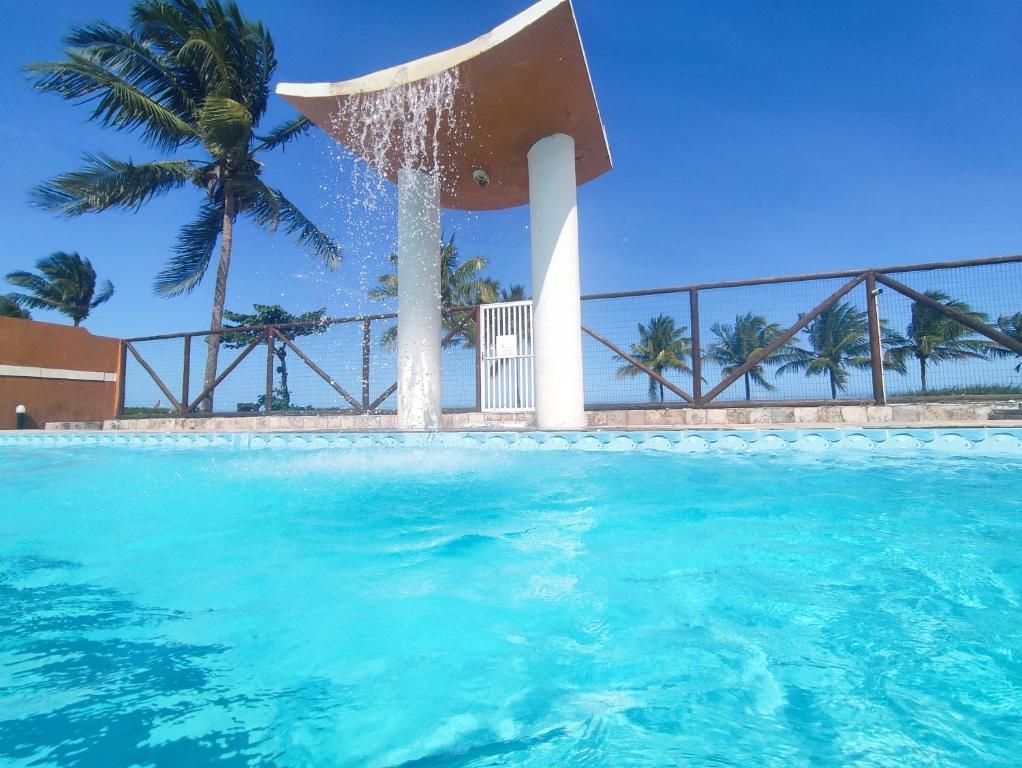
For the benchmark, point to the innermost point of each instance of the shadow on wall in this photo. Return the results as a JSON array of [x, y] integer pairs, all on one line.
[[58, 372]]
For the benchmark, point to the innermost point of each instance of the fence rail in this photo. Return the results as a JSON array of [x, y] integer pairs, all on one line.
[[871, 335]]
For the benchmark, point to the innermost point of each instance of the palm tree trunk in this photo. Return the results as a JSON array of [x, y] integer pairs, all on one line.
[[661, 391], [748, 388], [219, 295], [833, 387], [922, 372]]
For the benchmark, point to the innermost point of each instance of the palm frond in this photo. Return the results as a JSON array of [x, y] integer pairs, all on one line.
[[387, 289], [225, 126], [1011, 326], [204, 57], [282, 135], [757, 375], [271, 209], [260, 59], [192, 253], [117, 103], [468, 269], [107, 183], [103, 295], [37, 285], [135, 60], [10, 307]]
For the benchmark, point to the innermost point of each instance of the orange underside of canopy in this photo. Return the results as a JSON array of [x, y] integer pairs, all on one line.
[[532, 84]]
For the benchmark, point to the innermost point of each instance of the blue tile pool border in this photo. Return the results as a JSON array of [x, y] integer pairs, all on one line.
[[985, 440]]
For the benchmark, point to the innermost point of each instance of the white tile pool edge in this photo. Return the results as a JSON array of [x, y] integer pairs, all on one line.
[[985, 440]]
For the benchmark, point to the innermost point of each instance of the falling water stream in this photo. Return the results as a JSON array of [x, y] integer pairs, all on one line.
[[413, 125]]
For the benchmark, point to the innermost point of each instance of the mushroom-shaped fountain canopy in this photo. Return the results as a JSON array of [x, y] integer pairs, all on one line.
[[525, 80]]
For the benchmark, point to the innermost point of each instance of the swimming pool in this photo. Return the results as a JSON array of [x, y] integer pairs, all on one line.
[[640, 599]]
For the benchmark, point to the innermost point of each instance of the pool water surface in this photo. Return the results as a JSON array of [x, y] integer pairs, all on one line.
[[451, 606]]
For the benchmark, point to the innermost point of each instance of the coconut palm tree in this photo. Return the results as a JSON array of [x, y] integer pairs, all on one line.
[[461, 285], [838, 340], [736, 344], [933, 337], [662, 346], [313, 321], [513, 293], [9, 308], [1009, 325], [66, 284], [190, 75]]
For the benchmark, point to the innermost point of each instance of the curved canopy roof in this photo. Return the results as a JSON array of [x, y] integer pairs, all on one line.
[[523, 81]]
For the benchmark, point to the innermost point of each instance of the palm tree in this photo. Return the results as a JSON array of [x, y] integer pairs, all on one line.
[[662, 346], [1009, 325], [933, 337], [66, 283], [187, 74], [274, 314], [513, 293], [736, 344], [9, 307], [461, 285], [838, 340]]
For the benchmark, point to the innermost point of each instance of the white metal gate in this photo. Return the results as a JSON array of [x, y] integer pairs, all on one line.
[[506, 377]]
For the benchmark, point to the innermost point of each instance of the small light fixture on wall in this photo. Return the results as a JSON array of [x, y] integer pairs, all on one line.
[[19, 416]]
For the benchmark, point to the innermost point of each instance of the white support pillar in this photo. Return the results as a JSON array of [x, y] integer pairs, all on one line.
[[419, 391], [557, 309]]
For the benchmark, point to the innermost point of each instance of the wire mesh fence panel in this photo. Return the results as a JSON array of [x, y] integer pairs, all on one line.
[[383, 363], [458, 362], [243, 388], [198, 351], [655, 331], [825, 360], [142, 394], [337, 352], [937, 356]]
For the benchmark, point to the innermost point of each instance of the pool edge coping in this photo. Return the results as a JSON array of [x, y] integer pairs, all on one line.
[[987, 439]]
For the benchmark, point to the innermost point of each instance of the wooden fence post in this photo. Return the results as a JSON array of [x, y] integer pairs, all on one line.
[[876, 355], [697, 350]]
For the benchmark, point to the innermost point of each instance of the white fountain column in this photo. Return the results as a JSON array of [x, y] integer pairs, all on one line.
[[557, 309], [419, 391]]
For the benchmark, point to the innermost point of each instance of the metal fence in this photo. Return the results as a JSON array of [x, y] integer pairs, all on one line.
[[921, 332]]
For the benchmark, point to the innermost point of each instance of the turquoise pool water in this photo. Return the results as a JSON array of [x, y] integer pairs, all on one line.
[[467, 606]]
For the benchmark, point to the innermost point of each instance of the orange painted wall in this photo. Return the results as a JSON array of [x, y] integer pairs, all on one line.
[[47, 345]]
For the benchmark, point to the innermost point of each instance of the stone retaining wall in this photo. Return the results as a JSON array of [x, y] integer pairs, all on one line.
[[928, 413]]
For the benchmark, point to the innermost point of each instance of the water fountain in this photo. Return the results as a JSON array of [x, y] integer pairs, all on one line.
[[507, 119]]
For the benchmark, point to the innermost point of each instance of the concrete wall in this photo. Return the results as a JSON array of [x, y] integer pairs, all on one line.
[[58, 372]]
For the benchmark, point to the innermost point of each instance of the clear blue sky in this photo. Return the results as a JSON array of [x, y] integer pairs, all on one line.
[[748, 139]]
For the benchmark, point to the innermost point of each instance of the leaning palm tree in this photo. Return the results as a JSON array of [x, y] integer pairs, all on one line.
[[9, 307], [933, 337], [736, 344], [838, 340], [461, 285], [1009, 325], [66, 283], [188, 75], [662, 346]]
